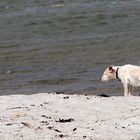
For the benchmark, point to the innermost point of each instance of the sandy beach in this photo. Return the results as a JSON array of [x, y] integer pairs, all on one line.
[[50, 116]]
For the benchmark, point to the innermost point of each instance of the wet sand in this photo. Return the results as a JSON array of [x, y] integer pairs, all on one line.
[[50, 116]]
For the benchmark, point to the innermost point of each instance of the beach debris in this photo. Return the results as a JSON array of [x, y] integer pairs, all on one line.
[[96, 121], [65, 120], [32, 105], [39, 130], [17, 114], [17, 108], [123, 127], [46, 103], [52, 128], [26, 124], [66, 97], [44, 116], [61, 136], [59, 93], [8, 124], [57, 130], [74, 129], [44, 122], [84, 137], [103, 95], [14, 108]]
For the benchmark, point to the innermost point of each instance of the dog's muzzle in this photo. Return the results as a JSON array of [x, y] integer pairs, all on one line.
[[104, 78]]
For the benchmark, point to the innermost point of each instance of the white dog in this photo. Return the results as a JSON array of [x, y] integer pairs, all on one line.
[[129, 75]]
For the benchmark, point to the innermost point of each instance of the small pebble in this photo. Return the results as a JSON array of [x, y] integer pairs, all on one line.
[[84, 137], [61, 136], [74, 129], [32, 105], [123, 127]]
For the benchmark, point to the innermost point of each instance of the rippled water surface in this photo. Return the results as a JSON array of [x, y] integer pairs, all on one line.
[[64, 46]]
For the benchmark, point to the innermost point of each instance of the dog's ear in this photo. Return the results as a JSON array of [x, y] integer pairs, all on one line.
[[111, 69]]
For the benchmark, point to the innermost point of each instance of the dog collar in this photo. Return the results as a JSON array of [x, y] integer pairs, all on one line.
[[117, 74]]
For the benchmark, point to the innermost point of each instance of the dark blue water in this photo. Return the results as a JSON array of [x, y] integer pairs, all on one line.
[[64, 46]]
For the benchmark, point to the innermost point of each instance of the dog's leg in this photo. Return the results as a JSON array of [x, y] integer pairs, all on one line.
[[126, 90], [131, 89]]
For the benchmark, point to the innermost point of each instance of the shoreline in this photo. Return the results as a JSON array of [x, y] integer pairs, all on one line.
[[50, 116]]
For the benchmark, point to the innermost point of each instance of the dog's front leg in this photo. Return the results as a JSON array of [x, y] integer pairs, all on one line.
[[126, 89], [131, 89]]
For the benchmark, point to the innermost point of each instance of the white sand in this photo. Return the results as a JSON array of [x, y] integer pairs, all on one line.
[[39, 116]]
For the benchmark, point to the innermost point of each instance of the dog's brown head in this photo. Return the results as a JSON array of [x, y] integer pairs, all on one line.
[[109, 74]]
